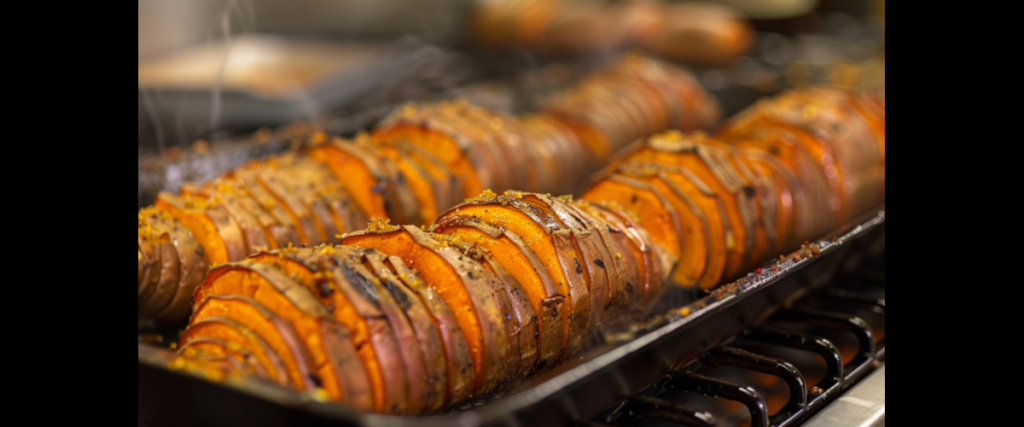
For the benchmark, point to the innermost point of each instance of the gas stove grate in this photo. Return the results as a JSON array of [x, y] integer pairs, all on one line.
[[835, 311]]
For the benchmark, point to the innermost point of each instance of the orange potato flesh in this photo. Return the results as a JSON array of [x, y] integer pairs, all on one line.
[[653, 214], [388, 390], [220, 236], [278, 335], [277, 224], [456, 352], [738, 253], [540, 242], [236, 334], [250, 280], [418, 181], [438, 144], [360, 177], [693, 227], [540, 291], [441, 275], [424, 328]]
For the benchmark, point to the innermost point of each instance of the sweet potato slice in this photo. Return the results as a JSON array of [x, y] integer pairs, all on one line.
[[787, 189], [286, 298], [235, 338], [277, 225], [192, 263], [423, 186], [594, 256], [361, 173], [654, 212], [288, 362], [716, 224], [672, 149], [448, 190], [552, 243], [149, 259], [215, 350], [305, 191], [456, 156], [167, 271], [273, 184], [457, 359], [433, 381], [520, 320], [357, 274], [252, 231], [210, 224], [635, 259], [357, 307], [463, 285], [518, 260]]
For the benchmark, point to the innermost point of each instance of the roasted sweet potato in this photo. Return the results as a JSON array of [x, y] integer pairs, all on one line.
[[357, 307], [592, 252], [421, 183], [288, 299], [210, 224], [426, 333], [636, 260], [277, 225], [420, 391], [654, 212], [192, 263], [252, 231], [274, 185], [526, 268], [242, 340], [306, 193], [458, 156], [463, 285], [552, 242], [520, 319], [345, 214], [164, 267], [457, 359], [672, 149], [288, 362], [216, 350]]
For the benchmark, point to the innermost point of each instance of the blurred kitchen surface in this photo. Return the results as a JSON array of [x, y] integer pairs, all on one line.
[[212, 72]]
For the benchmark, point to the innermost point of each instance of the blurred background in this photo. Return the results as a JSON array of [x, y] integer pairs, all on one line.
[[221, 81]]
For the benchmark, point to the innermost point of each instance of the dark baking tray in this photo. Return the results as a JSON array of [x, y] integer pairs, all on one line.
[[577, 389]]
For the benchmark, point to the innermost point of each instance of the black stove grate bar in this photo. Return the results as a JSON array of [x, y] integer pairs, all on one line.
[[854, 324], [714, 387], [669, 411], [730, 356], [819, 346]]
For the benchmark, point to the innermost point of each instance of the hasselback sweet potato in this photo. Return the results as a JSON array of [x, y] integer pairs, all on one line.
[[357, 307], [216, 350], [253, 349], [192, 263], [288, 361], [520, 319], [463, 285], [276, 223], [519, 261], [701, 159], [421, 392], [252, 230], [273, 185], [210, 224], [457, 359], [288, 299], [552, 242], [426, 333]]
